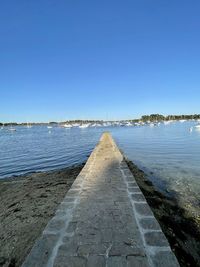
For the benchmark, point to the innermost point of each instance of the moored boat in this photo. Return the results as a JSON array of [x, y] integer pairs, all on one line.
[[84, 125]]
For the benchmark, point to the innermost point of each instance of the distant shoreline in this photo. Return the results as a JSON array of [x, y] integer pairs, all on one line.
[[144, 118]]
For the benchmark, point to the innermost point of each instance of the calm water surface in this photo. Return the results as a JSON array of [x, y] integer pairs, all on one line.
[[171, 153]]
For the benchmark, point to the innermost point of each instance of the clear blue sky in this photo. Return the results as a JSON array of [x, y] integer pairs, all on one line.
[[105, 59]]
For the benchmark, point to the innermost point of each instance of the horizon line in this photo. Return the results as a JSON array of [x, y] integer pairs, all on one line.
[[101, 120]]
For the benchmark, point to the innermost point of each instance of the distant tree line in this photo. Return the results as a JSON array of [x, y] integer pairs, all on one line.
[[159, 117], [144, 118], [8, 124], [153, 117], [183, 117]]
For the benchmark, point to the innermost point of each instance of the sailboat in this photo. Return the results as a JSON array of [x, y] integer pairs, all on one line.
[[49, 126], [84, 125], [28, 125], [68, 126], [12, 129], [197, 126]]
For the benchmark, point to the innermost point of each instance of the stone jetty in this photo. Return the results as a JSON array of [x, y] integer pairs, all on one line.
[[104, 220]]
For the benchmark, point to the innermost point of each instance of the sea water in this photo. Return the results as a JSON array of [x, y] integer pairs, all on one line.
[[170, 154]]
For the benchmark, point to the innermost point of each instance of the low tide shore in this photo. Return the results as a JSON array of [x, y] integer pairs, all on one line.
[[28, 202], [181, 230]]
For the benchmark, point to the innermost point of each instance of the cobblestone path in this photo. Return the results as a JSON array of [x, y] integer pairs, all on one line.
[[104, 220]]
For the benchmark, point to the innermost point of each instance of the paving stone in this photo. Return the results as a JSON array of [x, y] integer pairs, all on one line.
[[66, 206], [122, 199], [63, 261], [130, 179], [56, 224], [132, 184], [90, 238], [107, 235], [41, 251], [69, 248], [72, 196], [96, 261], [137, 262], [156, 239], [71, 227], [124, 167], [93, 249], [116, 261], [134, 190], [76, 186], [125, 249], [143, 209], [127, 172], [138, 197], [149, 223], [165, 258], [60, 213]]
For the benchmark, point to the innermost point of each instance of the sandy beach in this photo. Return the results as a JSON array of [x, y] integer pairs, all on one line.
[[28, 202]]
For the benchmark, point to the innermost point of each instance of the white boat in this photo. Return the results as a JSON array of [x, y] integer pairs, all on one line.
[[93, 125], [137, 124], [67, 125], [167, 122], [28, 125], [129, 124], [84, 125], [197, 126], [75, 125], [11, 129], [140, 123], [49, 127], [108, 124]]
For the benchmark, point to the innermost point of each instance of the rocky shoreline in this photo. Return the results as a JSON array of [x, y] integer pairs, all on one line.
[[28, 202]]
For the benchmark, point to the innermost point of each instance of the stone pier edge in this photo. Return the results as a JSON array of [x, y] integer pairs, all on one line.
[[155, 243]]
